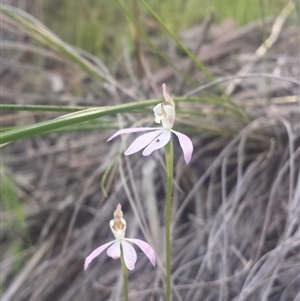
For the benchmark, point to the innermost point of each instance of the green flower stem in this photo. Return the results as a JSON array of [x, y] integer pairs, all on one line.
[[169, 154], [125, 275]]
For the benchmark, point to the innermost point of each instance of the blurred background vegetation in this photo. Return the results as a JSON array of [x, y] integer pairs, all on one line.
[[99, 26]]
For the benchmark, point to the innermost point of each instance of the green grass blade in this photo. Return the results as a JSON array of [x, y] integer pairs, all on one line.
[[199, 65], [39, 31], [93, 113], [145, 36], [71, 119], [42, 108]]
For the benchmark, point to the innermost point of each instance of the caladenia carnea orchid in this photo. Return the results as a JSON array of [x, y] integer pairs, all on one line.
[[121, 248], [118, 228], [164, 113]]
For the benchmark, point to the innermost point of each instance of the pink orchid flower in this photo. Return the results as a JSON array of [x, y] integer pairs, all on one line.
[[164, 113], [118, 227]]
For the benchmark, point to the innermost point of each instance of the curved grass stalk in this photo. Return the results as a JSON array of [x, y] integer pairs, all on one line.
[[199, 65], [27, 23]]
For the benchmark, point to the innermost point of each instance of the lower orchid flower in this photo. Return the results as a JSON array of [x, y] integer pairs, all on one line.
[[118, 227], [164, 113]]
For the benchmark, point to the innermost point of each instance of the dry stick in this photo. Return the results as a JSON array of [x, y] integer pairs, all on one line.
[[148, 187], [135, 207], [33, 262], [144, 229], [205, 28], [262, 50], [138, 201], [224, 253]]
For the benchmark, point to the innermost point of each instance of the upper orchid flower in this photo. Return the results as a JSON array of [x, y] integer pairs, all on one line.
[[118, 227], [164, 113]]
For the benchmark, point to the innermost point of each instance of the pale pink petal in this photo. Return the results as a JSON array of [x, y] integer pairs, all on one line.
[[125, 131], [129, 255], [159, 142], [114, 251], [186, 145], [146, 248], [96, 253], [142, 141]]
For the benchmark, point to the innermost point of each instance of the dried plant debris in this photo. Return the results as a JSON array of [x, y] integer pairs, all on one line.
[[236, 206]]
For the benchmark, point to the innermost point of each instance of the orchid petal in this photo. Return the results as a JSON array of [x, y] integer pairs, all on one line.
[[142, 141], [129, 255], [186, 145], [125, 131], [158, 114], [146, 248], [114, 251], [157, 143], [96, 253]]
